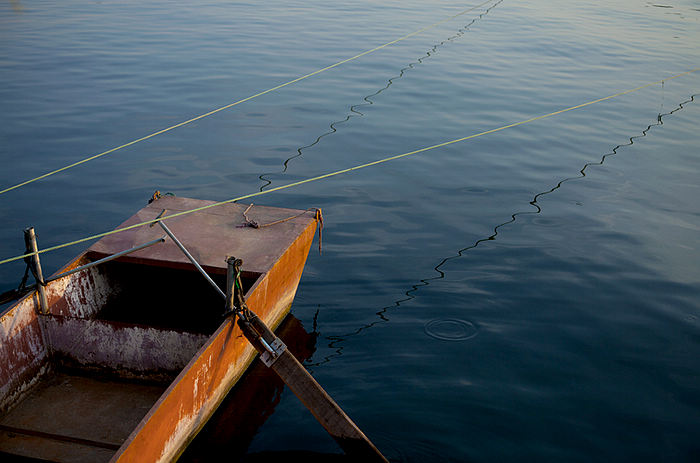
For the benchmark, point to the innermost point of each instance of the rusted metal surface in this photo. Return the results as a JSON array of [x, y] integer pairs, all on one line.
[[82, 294], [274, 354], [24, 350], [138, 351], [196, 393], [249, 404], [76, 328], [210, 235], [23, 353]]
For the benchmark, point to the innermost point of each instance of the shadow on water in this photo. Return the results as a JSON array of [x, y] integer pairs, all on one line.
[[354, 112], [248, 405], [467, 329]]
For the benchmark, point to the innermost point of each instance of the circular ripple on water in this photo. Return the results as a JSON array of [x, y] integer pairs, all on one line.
[[451, 329]]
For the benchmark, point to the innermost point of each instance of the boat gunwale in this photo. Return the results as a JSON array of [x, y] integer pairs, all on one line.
[[285, 290], [226, 328]]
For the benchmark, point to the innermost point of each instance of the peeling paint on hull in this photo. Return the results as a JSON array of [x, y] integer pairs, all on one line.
[[111, 345], [180, 414], [79, 332]]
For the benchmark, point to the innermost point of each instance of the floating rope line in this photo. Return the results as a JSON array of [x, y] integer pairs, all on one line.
[[368, 99], [231, 105], [350, 169]]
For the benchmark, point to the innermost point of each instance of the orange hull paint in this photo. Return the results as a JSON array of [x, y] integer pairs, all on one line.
[[189, 402], [82, 331]]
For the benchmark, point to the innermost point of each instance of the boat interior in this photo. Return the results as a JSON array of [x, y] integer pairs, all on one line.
[[76, 381]]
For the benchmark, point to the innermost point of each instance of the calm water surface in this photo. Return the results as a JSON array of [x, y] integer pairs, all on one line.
[[529, 295]]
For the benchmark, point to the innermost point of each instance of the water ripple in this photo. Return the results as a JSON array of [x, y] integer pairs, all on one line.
[[451, 329], [456, 329], [354, 112]]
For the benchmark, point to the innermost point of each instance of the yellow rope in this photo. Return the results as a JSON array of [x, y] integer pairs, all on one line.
[[350, 169], [202, 116]]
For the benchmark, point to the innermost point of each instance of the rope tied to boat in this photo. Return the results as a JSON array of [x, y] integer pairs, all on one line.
[[318, 216], [351, 169], [275, 355], [31, 267], [31, 263], [253, 328], [21, 290], [157, 195], [235, 303], [243, 100]]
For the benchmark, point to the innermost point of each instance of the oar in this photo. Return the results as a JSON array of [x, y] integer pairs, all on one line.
[[274, 354]]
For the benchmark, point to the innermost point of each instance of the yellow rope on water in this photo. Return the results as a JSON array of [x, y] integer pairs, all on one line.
[[231, 105], [350, 169]]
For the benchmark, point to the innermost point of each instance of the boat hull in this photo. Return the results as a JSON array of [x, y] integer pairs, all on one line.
[[132, 345], [192, 398]]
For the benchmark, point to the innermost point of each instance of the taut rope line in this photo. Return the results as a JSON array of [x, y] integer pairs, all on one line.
[[350, 169], [231, 105]]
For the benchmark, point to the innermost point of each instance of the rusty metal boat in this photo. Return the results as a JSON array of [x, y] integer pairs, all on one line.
[[128, 359]]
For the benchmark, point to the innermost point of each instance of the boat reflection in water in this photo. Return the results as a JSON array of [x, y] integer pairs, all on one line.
[[127, 360], [249, 404]]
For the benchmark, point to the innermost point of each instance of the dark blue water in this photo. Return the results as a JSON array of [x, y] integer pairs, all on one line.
[[528, 295]]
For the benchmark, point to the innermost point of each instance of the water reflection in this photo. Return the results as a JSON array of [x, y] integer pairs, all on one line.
[[17, 6], [354, 112], [249, 404], [468, 329], [451, 329]]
